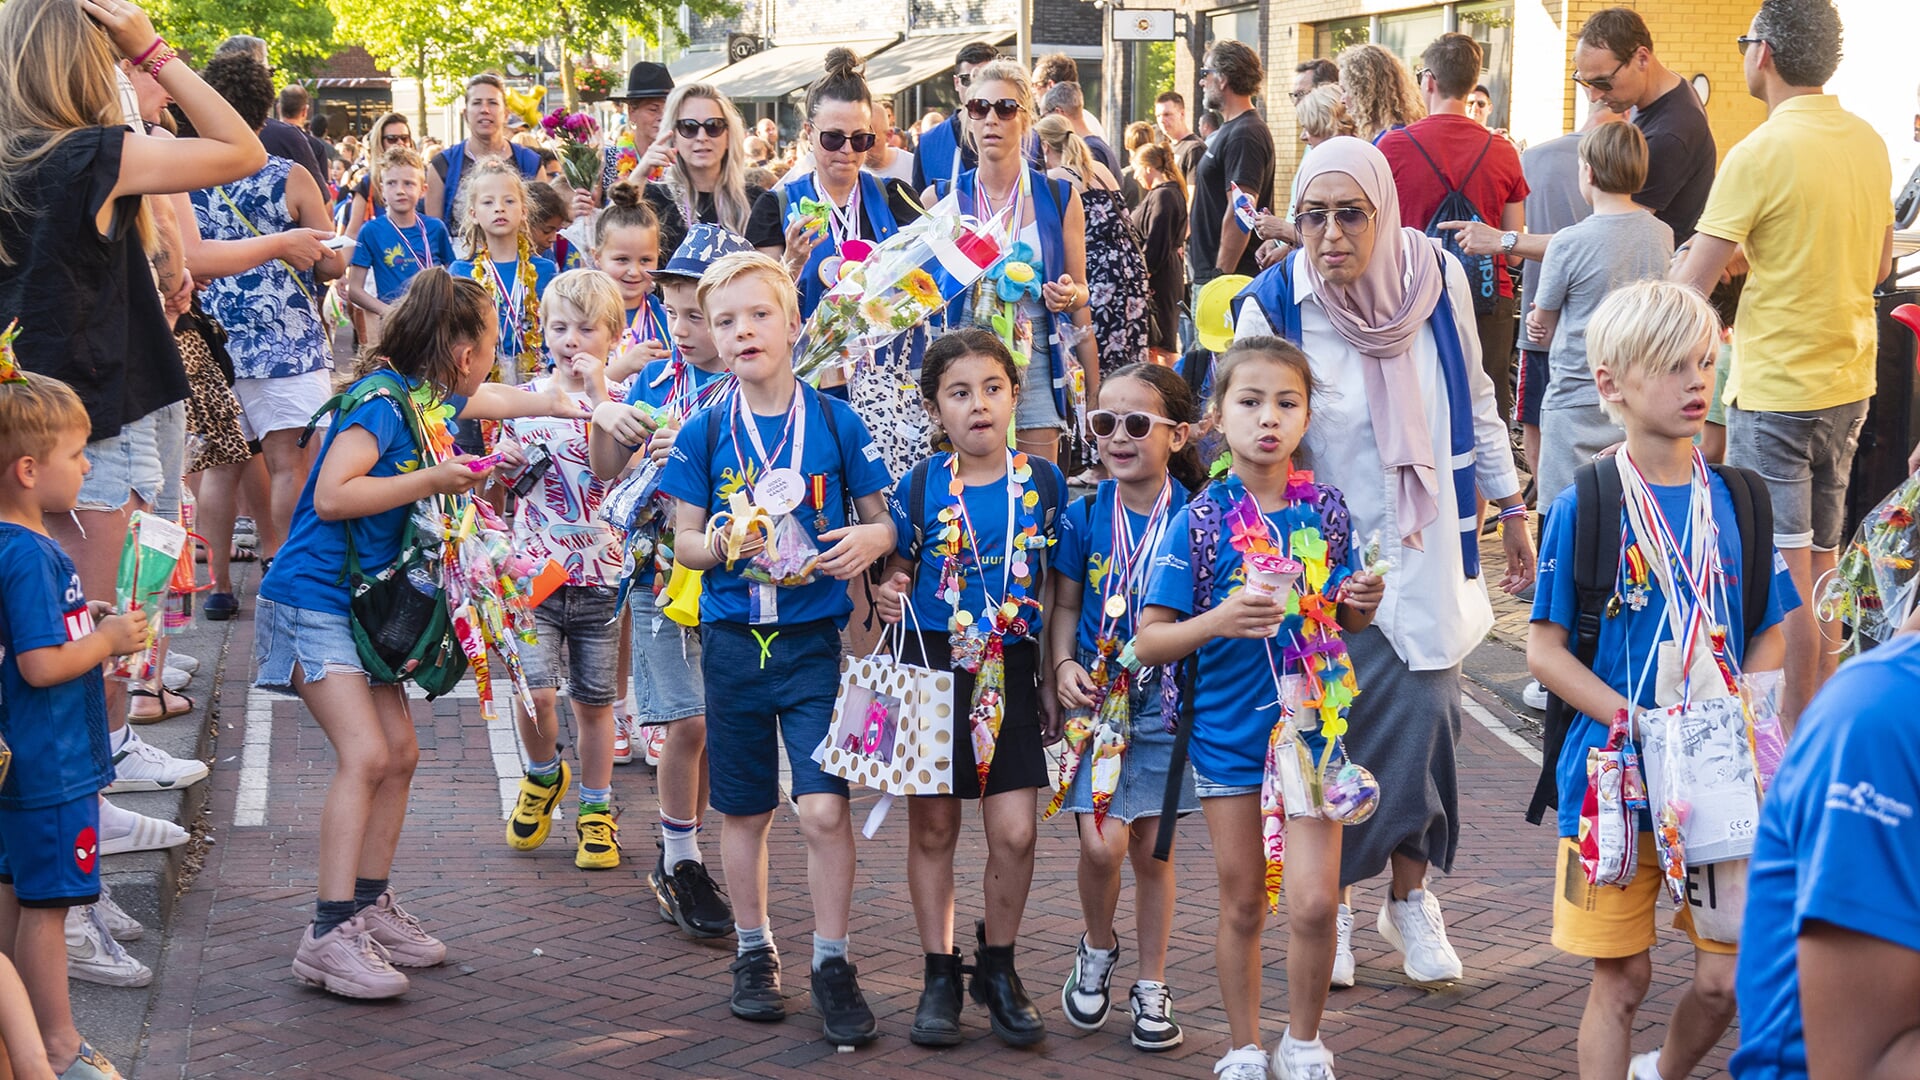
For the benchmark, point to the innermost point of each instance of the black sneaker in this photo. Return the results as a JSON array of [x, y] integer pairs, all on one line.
[[1154, 1028], [689, 899], [756, 986], [845, 1019]]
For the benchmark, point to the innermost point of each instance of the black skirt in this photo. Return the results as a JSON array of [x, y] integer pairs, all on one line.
[[1019, 754]]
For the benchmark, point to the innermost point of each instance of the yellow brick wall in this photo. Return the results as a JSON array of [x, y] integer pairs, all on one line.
[[1691, 37]]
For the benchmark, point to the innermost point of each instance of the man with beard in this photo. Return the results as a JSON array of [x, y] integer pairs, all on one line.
[[1240, 155]]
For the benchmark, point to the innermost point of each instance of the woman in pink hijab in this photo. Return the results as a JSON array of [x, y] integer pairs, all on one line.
[[1404, 423]]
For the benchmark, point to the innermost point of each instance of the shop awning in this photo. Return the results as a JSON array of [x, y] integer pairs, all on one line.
[[921, 57], [697, 66], [777, 72]]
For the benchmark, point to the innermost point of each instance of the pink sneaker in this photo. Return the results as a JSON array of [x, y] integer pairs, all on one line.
[[400, 934], [347, 961], [622, 740]]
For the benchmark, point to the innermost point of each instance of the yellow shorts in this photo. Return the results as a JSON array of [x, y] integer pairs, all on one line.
[[1608, 922]]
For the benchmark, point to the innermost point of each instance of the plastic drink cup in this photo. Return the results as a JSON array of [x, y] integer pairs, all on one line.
[[1272, 575]]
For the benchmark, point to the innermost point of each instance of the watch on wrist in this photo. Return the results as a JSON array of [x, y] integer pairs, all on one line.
[[1507, 240]]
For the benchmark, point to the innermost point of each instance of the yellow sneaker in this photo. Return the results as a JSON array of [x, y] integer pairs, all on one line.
[[532, 816], [599, 842]]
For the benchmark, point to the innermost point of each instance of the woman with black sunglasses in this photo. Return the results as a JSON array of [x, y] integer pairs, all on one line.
[[1052, 224], [389, 132], [707, 180]]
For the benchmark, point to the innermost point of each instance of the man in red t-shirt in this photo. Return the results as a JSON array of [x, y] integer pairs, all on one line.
[[1496, 187]]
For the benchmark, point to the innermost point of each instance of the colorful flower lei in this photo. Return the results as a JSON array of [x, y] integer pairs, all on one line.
[[530, 334]]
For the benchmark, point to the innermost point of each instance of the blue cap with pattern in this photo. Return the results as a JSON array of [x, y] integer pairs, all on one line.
[[704, 244]]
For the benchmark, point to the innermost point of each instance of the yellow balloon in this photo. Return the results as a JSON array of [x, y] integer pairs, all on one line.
[[1213, 311]]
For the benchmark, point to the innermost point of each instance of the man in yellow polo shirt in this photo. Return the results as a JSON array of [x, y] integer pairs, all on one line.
[[1807, 198]]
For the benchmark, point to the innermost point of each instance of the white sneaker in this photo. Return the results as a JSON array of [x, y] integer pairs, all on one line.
[[1414, 927], [1296, 1060], [1343, 948], [122, 830], [653, 740], [623, 739], [1644, 1066], [176, 679], [1086, 998], [122, 926], [93, 956], [142, 766], [1534, 696], [188, 664], [1247, 1063]]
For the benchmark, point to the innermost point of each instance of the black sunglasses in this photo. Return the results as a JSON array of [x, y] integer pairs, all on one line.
[[714, 127], [1743, 41], [1604, 83], [1351, 218], [833, 140], [395, 140], [1005, 108], [965, 79], [1105, 422]]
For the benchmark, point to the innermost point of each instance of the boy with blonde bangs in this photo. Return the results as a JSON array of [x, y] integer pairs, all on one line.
[[1652, 347], [53, 709], [560, 519], [771, 654]]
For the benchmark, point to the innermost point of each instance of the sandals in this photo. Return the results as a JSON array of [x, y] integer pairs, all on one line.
[[164, 713]]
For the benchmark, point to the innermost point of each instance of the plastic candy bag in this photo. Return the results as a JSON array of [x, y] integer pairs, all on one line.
[[1760, 690], [1609, 833], [153, 548], [788, 558]]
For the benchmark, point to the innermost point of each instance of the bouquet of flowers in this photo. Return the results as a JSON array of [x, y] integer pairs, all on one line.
[[898, 285], [1873, 589], [579, 149]]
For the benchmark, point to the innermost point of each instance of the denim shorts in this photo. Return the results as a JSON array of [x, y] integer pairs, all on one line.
[[1036, 408], [170, 443], [583, 620], [1206, 789], [124, 465], [321, 641], [1805, 458], [768, 685], [666, 665], [1142, 788]]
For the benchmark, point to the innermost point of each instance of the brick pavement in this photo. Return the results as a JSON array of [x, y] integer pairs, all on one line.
[[615, 992]]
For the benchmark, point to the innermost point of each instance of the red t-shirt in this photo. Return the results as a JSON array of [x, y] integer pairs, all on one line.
[[1454, 142]]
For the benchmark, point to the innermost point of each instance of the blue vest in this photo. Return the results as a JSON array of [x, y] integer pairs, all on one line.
[[1049, 215], [527, 160], [938, 157], [1273, 291]]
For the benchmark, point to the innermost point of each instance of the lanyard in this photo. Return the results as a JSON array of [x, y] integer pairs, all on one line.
[[655, 330], [795, 428], [422, 258], [973, 539], [843, 221], [1697, 565], [1125, 558], [1016, 201], [509, 302]]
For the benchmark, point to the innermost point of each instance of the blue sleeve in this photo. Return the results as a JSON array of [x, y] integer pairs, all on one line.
[[1170, 583], [1782, 595], [381, 417], [1554, 597], [441, 240], [30, 594], [543, 272], [1857, 841], [363, 251], [687, 475], [461, 268], [902, 524], [866, 470], [1074, 534]]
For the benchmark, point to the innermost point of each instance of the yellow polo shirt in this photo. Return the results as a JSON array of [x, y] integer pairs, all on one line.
[[1808, 196]]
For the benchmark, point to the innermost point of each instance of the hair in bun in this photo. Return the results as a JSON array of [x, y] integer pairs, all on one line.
[[842, 82]]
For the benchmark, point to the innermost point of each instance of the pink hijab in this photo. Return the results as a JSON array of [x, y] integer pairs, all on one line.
[[1381, 316]]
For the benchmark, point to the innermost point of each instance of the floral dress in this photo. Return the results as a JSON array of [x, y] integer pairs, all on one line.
[[1116, 279], [271, 312]]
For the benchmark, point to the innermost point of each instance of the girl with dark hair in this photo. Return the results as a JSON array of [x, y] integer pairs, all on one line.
[[1119, 749], [436, 349], [1161, 219]]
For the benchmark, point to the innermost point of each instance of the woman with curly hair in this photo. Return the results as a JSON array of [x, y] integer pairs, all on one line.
[[1380, 92]]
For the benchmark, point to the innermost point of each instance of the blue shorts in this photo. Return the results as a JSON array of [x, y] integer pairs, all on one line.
[[759, 697], [320, 640], [583, 619], [666, 665], [51, 856]]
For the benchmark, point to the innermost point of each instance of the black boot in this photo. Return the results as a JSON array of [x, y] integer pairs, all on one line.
[[937, 1021], [997, 986]]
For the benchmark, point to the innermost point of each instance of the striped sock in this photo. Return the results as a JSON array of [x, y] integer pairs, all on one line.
[[681, 841], [596, 800], [546, 773]]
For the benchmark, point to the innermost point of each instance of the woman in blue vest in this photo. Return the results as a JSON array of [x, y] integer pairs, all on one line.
[[1052, 225], [1404, 423], [486, 106]]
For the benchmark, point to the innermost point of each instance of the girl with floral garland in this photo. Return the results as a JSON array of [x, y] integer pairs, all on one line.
[[493, 215]]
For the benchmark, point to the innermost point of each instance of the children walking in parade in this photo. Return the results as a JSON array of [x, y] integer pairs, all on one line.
[[974, 528], [626, 245], [560, 519], [1118, 747], [386, 449], [762, 483], [53, 707], [1255, 580]]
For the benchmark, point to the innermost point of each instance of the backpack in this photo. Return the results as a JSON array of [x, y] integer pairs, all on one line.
[[1176, 687], [1044, 485], [1596, 568], [1482, 276], [401, 624]]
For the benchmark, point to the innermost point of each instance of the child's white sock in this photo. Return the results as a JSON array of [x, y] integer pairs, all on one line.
[[681, 839], [118, 739], [749, 940]]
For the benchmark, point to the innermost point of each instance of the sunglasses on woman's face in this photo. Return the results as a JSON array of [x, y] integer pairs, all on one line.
[[833, 140], [1352, 219], [395, 140], [714, 127], [1005, 108], [1138, 424]]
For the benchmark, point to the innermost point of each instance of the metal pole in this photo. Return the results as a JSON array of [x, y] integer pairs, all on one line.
[[1023, 35]]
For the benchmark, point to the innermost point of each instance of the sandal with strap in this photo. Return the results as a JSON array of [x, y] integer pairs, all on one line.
[[162, 696]]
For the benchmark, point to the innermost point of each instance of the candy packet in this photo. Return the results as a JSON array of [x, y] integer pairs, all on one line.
[[788, 558]]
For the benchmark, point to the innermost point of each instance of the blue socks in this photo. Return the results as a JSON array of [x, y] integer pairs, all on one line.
[[596, 800], [366, 892], [329, 914], [545, 772]]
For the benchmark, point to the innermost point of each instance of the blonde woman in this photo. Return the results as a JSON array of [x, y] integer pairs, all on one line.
[[1139, 134], [707, 180], [1380, 92]]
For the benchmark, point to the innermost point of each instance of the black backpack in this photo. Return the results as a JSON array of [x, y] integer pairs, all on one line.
[[916, 505], [1596, 570], [1483, 278]]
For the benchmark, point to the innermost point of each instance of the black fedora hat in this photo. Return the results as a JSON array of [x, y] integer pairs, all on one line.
[[645, 80]]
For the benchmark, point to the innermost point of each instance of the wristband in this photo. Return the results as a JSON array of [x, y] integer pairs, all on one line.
[[142, 58], [1062, 660], [159, 60], [1517, 510]]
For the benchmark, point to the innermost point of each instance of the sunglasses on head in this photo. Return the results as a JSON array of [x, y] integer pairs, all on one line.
[[833, 140], [1005, 108], [1138, 424], [1351, 218], [714, 127]]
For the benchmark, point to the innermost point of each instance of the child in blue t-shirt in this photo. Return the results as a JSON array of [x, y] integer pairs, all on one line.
[[974, 528], [626, 246], [1652, 347], [771, 652], [53, 707], [400, 242], [493, 212], [1107, 539], [1265, 618], [433, 360]]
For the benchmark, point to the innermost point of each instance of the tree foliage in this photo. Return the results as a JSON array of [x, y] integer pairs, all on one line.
[[299, 33], [439, 42]]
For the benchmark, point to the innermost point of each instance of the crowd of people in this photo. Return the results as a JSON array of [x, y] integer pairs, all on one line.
[[1258, 610]]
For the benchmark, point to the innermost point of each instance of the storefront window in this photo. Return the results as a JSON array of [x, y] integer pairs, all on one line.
[[1407, 33], [1491, 24], [1238, 24], [1333, 38]]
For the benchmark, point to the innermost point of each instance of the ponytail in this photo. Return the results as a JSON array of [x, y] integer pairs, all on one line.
[[435, 316]]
